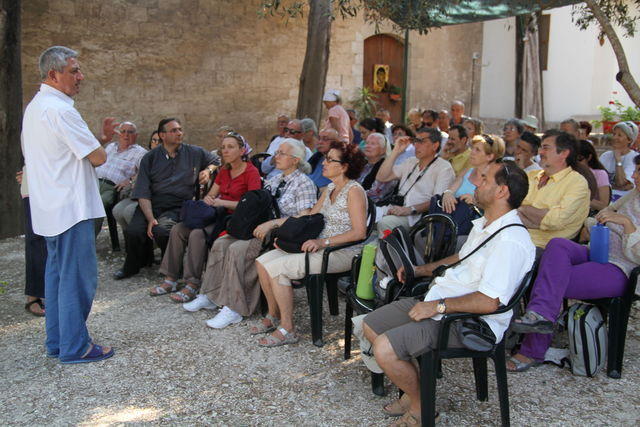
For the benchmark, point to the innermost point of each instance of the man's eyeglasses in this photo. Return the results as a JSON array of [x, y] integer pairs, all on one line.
[[175, 130], [127, 131], [292, 131], [326, 138], [417, 140]]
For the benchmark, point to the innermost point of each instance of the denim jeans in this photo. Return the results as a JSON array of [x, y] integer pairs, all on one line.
[[71, 278]]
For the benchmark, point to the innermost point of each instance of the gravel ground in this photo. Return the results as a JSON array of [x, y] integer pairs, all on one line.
[[171, 369]]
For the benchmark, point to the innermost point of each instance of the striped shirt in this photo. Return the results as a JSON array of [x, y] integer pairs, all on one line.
[[121, 165]]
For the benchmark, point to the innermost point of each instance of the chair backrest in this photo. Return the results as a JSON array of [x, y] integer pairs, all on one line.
[[524, 285], [434, 236], [257, 160], [371, 216]]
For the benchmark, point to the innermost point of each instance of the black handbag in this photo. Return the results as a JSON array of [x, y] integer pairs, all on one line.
[[295, 231], [197, 214]]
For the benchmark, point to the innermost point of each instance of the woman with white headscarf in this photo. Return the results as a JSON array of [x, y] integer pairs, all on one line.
[[337, 117]]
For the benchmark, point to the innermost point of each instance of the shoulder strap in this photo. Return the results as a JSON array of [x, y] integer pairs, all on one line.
[[485, 242]]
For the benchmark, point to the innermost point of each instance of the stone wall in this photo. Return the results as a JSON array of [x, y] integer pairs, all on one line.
[[216, 62]]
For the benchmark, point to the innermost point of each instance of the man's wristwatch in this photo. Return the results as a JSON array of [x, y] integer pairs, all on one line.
[[619, 164], [326, 243], [441, 308], [413, 210]]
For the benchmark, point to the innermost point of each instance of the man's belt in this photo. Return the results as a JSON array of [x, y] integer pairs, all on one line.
[[106, 181]]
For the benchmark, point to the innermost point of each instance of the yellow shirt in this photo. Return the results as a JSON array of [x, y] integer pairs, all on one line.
[[460, 162], [566, 195]]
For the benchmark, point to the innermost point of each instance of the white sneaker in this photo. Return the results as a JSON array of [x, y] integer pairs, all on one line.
[[201, 301], [224, 318]]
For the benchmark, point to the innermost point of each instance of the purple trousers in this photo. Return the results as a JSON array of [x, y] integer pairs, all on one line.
[[566, 272]]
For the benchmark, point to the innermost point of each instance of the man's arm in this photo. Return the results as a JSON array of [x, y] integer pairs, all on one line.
[[109, 126], [385, 173], [97, 157], [531, 217], [145, 207], [475, 302]]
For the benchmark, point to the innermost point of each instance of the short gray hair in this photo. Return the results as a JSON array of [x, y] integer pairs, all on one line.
[[299, 151], [571, 121], [382, 140], [55, 58], [130, 124], [308, 124]]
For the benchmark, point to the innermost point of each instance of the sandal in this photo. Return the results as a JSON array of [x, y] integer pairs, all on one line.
[[95, 354], [396, 408], [260, 328], [407, 420], [520, 366], [532, 322], [166, 287], [273, 341], [38, 301], [186, 294]]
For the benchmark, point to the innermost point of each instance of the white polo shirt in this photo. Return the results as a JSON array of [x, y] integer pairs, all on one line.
[[496, 270], [63, 185]]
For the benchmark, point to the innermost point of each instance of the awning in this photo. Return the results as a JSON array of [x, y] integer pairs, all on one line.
[[421, 15]]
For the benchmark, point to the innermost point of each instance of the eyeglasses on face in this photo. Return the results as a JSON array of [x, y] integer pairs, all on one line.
[[127, 131], [282, 153], [292, 131], [155, 139], [417, 140], [330, 160], [327, 138], [175, 130]]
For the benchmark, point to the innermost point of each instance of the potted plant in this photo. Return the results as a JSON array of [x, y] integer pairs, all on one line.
[[395, 93], [616, 112], [364, 102]]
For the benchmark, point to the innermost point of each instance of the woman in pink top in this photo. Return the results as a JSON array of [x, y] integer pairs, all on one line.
[[338, 118], [588, 157]]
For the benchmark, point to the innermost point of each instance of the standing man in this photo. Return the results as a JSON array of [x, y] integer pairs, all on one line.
[[60, 156]]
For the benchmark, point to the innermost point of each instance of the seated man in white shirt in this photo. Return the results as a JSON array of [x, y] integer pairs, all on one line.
[[293, 130], [421, 177], [408, 328], [121, 167]]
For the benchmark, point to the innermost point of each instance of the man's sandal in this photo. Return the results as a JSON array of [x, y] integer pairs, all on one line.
[[520, 366], [260, 328], [396, 408], [273, 341], [39, 302], [532, 322], [186, 294], [166, 287]]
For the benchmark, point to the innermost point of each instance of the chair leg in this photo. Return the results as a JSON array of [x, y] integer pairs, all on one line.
[[348, 329], [331, 282], [500, 363], [113, 230], [428, 370], [377, 384], [314, 292], [480, 374], [618, 319]]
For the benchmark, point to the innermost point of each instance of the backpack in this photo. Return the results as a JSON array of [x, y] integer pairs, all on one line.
[[587, 339], [255, 208], [394, 251]]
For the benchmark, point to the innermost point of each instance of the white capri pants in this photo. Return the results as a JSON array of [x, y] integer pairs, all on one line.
[[285, 267]]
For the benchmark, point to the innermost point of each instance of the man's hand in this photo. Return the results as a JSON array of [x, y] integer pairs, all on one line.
[[399, 211], [401, 144], [19, 177], [150, 226], [109, 126], [203, 176], [261, 231], [124, 184], [423, 310]]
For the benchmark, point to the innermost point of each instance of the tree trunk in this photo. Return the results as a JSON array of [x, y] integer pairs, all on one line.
[[624, 75], [316, 61], [10, 118]]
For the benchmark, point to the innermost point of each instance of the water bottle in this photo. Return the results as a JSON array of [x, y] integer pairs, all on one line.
[[599, 244], [364, 286]]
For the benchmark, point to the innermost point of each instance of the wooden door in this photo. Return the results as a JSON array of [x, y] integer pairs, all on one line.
[[382, 49]]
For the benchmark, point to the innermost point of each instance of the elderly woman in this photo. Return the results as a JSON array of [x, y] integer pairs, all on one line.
[[619, 160], [375, 149], [337, 117], [511, 133], [566, 272], [230, 279], [484, 150], [235, 178], [344, 206]]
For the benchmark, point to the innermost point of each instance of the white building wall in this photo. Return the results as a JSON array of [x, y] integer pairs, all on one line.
[[580, 73]]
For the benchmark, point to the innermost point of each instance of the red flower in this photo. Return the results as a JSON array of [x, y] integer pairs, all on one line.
[[612, 103], [615, 92]]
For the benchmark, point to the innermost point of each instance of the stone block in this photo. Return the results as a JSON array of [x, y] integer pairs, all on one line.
[[136, 14]]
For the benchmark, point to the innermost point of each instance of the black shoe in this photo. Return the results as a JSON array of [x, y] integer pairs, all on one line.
[[120, 274]]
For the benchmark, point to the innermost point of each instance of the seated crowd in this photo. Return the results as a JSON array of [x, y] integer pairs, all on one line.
[[440, 161]]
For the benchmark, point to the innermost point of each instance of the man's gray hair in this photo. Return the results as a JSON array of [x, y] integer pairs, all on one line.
[[299, 151], [571, 121], [55, 58], [308, 124], [130, 124]]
